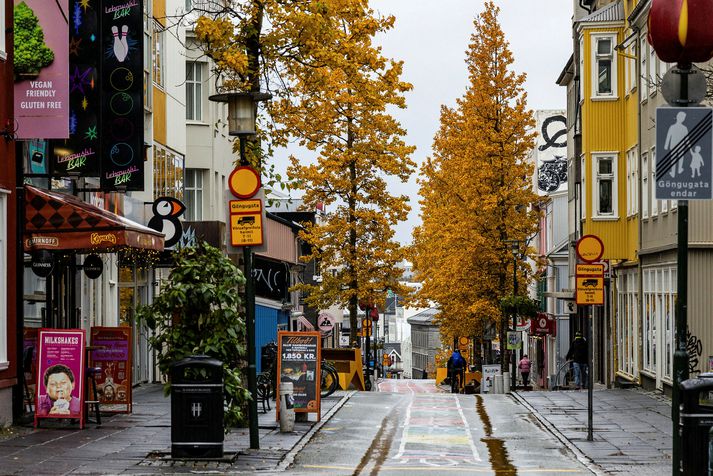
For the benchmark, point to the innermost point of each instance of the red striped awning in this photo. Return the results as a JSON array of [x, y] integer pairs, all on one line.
[[57, 221]]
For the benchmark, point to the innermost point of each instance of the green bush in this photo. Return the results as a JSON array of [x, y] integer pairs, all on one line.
[[197, 314], [30, 54]]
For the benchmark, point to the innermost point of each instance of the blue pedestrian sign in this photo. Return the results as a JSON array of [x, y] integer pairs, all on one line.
[[684, 153]]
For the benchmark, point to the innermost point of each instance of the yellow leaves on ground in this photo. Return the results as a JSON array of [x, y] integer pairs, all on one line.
[[476, 190]]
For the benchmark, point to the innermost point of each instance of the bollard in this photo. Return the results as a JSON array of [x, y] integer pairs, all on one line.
[[498, 384], [287, 411], [506, 382]]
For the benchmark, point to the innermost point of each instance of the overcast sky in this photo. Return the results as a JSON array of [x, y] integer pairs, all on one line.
[[431, 37]]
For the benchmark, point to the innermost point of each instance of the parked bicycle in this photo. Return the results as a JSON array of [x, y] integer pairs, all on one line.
[[330, 379]]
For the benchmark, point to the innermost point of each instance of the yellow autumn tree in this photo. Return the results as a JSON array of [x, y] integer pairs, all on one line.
[[339, 109], [332, 91], [476, 192]]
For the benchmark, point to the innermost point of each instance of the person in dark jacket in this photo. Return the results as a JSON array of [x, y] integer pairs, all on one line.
[[578, 356], [456, 366]]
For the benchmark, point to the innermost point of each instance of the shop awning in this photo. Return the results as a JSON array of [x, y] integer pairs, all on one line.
[[57, 221]]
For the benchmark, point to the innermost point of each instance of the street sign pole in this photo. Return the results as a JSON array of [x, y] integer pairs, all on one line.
[[680, 357]]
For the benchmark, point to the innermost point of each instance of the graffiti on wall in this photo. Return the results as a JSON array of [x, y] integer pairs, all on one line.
[[694, 349]]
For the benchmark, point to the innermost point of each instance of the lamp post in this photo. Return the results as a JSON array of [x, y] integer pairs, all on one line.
[[515, 249], [242, 118]]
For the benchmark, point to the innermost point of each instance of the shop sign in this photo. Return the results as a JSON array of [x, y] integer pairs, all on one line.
[[543, 324], [93, 266], [60, 375], [299, 357], [112, 353], [42, 263]]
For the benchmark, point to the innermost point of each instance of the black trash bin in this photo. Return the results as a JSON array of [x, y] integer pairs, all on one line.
[[696, 420], [197, 408]]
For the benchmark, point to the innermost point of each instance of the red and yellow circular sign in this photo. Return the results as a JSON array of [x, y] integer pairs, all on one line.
[[244, 182], [590, 248]]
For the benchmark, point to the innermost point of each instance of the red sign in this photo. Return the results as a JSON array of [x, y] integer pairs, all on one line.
[[679, 30], [244, 182], [112, 353], [60, 375], [544, 324], [590, 248]]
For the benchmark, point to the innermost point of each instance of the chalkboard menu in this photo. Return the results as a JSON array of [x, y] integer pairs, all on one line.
[[299, 356], [79, 154], [122, 95]]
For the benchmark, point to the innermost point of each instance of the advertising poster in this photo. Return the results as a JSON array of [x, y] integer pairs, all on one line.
[[111, 351], [41, 58], [79, 154], [550, 155], [489, 373], [122, 86], [299, 357], [60, 375]]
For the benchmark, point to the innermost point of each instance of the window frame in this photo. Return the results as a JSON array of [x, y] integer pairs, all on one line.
[[195, 85], [643, 66], [654, 201], [3, 44], [583, 169], [632, 184], [4, 362], [653, 72], [646, 193], [193, 193], [596, 57], [158, 46], [597, 177]]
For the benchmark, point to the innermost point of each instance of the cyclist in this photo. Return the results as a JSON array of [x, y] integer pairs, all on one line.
[[456, 370]]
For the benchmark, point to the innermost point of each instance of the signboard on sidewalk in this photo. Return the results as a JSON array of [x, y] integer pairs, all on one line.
[[489, 373], [684, 153], [113, 355], [299, 355], [60, 375]]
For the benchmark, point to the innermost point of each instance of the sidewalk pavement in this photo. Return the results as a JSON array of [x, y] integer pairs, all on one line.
[[140, 443], [632, 427]]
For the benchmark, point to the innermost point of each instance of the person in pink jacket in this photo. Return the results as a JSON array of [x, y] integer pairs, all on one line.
[[524, 367]]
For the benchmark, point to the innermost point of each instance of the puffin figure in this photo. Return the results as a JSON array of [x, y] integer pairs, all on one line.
[[166, 211]]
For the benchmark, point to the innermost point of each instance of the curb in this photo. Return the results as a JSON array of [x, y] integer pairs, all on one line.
[[581, 457], [290, 456]]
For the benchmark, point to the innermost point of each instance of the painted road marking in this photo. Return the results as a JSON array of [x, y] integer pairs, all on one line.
[[432, 439], [470, 469]]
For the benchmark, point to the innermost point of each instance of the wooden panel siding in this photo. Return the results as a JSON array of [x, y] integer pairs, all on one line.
[[159, 115], [280, 241]]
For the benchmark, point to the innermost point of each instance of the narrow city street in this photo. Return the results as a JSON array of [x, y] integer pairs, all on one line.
[[412, 425]]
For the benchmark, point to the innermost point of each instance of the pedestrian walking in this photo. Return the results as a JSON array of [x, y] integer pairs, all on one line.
[[578, 355], [524, 366]]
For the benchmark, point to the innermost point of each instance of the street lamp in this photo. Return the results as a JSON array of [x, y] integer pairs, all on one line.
[[515, 249], [242, 117]]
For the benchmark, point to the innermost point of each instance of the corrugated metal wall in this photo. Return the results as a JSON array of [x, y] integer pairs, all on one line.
[[700, 303]]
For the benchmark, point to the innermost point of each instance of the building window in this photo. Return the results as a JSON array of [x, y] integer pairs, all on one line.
[[646, 193], [653, 73], [659, 296], [627, 318], [167, 173], [583, 169], [148, 42], [194, 194], [157, 54], [605, 187], [654, 202], [194, 90], [643, 55], [631, 50], [604, 66], [580, 73], [632, 182], [4, 278]]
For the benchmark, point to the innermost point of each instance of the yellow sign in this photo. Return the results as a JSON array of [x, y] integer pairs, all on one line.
[[590, 290], [590, 270], [245, 206], [590, 248], [244, 182], [246, 229]]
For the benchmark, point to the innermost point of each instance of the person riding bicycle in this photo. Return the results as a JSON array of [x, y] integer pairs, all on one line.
[[456, 370]]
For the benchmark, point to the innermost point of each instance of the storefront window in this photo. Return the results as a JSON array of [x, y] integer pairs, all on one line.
[[659, 323], [168, 173]]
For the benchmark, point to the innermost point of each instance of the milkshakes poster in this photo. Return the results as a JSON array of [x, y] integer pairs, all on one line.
[[299, 357], [60, 374], [112, 354]]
